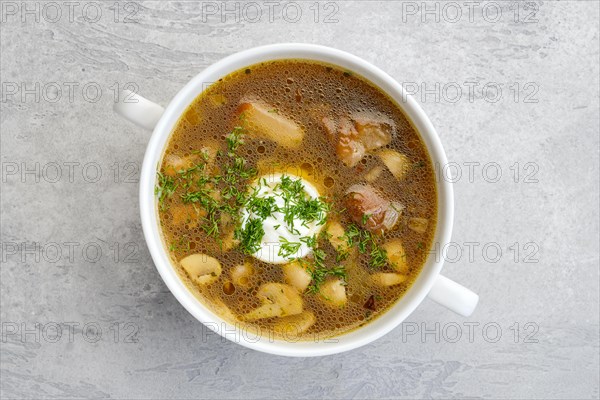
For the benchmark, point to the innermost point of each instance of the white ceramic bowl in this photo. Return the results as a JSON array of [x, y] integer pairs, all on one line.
[[429, 282]]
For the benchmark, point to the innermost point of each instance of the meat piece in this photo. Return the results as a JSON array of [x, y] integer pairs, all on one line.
[[370, 210], [370, 303], [373, 132], [357, 135]]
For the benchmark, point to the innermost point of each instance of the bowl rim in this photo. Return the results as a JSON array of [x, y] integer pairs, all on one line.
[[357, 337]]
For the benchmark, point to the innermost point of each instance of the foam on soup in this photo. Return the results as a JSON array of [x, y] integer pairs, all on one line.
[[316, 166]]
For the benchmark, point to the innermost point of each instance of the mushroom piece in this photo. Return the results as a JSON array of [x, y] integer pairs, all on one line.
[[357, 135], [208, 151], [241, 273], [229, 240], [333, 292], [191, 115], [294, 325], [296, 275], [397, 163], [373, 173], [418, 225], [186, 214], [336, 233], [279, 300], [388, 278], [218, 99], [370, 210], [227, 226], [202, 269], [266, 122], [396, 255], [175, 164]]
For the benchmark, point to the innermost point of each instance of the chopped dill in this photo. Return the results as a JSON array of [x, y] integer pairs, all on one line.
[[319, 273], [365, 218], [234, 139], [288, 248], [164, 189], [298, 206], [365, 240], [250, 236], [219, 194], [311, 241], [262, 206]]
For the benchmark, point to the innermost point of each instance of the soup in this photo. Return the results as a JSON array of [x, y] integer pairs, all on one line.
[[295, 198]]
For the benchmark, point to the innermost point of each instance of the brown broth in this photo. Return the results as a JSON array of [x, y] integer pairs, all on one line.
[[301, 90]]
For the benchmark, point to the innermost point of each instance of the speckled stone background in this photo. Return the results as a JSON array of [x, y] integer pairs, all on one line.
[[513, 90]]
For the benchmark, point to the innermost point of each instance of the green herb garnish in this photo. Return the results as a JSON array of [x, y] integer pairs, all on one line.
[[164, 189], [235, 139], [288, 248], [262, 206], [221, 194], [365, 240], [298, 206], [250, 236]]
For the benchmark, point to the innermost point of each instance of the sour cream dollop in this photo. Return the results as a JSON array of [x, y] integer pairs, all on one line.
[[297, 214]]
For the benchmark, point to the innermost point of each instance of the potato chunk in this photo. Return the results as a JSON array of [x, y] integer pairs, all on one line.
[[202, 269], [336, 233], [397, 163], [333, 292], [279, 300], [388, 278], [294, 325], [296, 275], [396, 255], [374, 173], [418, 225], [266, 122]]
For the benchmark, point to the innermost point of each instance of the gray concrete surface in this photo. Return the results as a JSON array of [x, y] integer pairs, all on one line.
[[85, 314]]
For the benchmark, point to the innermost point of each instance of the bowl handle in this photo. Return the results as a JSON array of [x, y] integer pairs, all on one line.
[[454, 296], [138, 109]]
